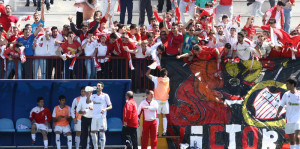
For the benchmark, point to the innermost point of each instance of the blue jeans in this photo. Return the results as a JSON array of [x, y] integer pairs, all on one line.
[[257, 9], [28, 1], [11, 66], [39, 63], [287, 19], [90, 68]]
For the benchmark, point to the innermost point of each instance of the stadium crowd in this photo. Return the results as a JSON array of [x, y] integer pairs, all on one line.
[[213, 32]]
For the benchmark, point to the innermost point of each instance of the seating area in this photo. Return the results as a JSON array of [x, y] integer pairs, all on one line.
[[23, 125]]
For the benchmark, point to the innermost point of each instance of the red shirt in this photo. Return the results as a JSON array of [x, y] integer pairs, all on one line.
[[112, 46], [102, 20], [144, 37], [206, 53], [42, 116], [12, 37], [137, 36], [130, 115], [251, 31], [12, 54], [174, 43], [130, 45], [6, 20], [70, 48], [2, 9], [225, 2]]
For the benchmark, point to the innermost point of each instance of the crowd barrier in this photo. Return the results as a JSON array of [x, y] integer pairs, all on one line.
[[53, 67]]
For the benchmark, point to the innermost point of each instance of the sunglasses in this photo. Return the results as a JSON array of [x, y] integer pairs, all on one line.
[[271, 22], [192, 30]]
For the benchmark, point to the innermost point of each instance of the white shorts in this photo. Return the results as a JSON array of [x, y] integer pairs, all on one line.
[[99, 123], [77, 127], [163, 107], [41, 127], [290, 128], [62, 129]]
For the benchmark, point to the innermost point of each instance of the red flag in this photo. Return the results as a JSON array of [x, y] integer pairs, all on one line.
[[97, 64], [72, 63], [237, 19], [26, 18], [286, 39]]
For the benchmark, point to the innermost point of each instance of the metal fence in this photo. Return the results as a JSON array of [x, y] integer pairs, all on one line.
[[53, 67]]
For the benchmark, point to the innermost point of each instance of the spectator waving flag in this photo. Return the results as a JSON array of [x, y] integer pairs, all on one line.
[[130, 61], [236, 19], [97, 64], [25, 18], [22, 55]]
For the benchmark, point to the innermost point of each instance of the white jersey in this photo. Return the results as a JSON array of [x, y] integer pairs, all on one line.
[[140, 53], [151, 112], [41, 47], [100, 102], [244, 51], [83, 106], [52, 46], [292, 103], [89, 47]]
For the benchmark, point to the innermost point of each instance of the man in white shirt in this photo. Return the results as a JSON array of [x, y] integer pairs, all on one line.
[[291, 99], [231, 38], [77, 117], [243, 49], [40, 50], [53, 42], [89, 45], [149, 109], [220, 37], [276, 13], [85, 108], [102, 104]]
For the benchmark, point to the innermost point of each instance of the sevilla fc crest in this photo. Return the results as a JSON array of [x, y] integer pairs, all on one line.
[[265, 104]]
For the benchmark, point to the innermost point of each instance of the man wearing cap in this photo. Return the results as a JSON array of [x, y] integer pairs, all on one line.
[[85, 108]]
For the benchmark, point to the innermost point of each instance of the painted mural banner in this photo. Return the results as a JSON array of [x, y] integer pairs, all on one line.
[[236, 110]]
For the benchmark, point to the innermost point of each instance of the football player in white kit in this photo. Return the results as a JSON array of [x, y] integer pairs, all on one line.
[[77, 117], [102, 103], [291, 100]]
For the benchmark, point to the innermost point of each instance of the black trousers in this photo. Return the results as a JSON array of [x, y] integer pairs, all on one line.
[[85, 127], [129, 135], [161, 4], [145, 5], [129, 5], [79, 19]]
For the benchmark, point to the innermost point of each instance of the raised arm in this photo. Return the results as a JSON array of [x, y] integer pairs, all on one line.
[[43, 10], [165, 24], [94, 28], [108, 10], [73, 28], [158, 18], [148, 75], [184, 55], [39, 28]]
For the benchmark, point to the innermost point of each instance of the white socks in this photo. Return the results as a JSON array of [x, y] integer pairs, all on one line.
[[46, 143], [69, 142], [165, 124], [33, 137], [77, 142], [88, 143], [157, 121], [57, 139], [94, 140], [102, 140]]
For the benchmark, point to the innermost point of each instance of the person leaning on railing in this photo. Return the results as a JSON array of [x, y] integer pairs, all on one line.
[[12, 54]]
